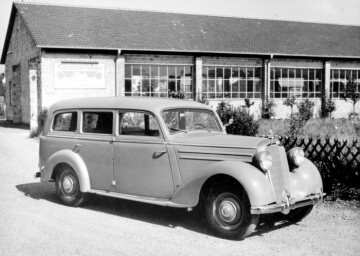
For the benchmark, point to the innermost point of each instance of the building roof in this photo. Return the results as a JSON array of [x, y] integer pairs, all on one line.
[[54, 26]]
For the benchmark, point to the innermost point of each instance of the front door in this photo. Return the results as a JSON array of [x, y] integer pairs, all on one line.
[[141, 161]]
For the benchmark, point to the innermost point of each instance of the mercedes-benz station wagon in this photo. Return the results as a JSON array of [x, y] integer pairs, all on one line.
[[173, 153]]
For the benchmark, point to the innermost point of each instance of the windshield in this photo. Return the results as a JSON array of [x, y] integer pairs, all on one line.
[[185, 119]]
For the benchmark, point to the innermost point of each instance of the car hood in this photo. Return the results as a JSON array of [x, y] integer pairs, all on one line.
[[220, 141]]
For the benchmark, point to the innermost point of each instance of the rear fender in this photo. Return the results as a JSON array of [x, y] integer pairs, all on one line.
[[254, 181], [74, 160]]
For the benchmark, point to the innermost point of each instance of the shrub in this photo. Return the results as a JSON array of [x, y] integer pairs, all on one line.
[[41, 122], [248, 104], [268, 109], [225, 111], [290, 102], [243, 124], [351, 94], [305, 109], [297, 121], [327, 107]]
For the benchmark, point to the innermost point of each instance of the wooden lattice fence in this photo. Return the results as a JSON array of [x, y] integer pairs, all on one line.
[[338, 161]]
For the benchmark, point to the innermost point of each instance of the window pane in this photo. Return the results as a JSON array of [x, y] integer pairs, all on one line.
[[65, 122], [136, 70], [163, 71], [172, 72], [298, 73], [127, 71], [154, 71], [128, 87], [98, 122], [235, 72], [219, 72], [243, 73], [211, 71], [145, 71], [227, 73], [250, 73], [204, 72], [188, 71], [138, 124]]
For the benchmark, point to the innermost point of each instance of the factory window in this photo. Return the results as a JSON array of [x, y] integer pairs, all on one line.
[[297, 82], [231, 82], [339, 78], [158, 80]]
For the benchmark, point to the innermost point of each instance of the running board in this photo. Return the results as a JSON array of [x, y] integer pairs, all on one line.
[[149, 200]]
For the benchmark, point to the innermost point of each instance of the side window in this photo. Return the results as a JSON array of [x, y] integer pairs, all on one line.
[[65, 122], [98, 122], [137, 123]]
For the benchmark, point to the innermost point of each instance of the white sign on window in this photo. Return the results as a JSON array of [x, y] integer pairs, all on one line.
[[79, 75]]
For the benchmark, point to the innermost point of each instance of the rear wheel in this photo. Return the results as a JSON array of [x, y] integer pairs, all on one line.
[[298, 214], [228, 213], [68, 187]]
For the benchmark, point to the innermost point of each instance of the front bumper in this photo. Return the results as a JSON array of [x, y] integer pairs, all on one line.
[[285, 207]]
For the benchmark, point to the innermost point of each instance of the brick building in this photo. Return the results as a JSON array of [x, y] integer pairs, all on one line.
[[58, 52]]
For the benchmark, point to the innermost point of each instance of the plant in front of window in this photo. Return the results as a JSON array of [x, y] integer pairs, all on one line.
[[352, 94], [327, 106], [243, 123], [268, 111], [177, 95], [297, 121], [202, 99], [290, 102], [248, 104], [225, 111]]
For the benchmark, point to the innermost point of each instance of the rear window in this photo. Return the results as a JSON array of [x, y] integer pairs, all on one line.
[[65, 122], [98, 122]]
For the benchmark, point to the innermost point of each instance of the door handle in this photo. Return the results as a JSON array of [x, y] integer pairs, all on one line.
[[159, 153]]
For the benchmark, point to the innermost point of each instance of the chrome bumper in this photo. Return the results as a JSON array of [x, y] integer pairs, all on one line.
[[288, 205]]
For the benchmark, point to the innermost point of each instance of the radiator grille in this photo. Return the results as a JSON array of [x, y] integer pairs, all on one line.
[[279, 172]]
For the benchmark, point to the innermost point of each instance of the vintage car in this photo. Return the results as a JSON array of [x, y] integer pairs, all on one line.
[[173, 153]]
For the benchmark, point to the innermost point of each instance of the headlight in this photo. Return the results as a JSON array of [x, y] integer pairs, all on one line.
[[263, 160], [296, 156]]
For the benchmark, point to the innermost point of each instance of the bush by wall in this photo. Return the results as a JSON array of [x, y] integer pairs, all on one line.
[[243, 123], [40, 122]]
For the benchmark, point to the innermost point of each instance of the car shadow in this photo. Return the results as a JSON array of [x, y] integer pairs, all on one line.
[[159, 215]]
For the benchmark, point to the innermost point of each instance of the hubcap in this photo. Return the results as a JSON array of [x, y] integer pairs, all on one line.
[[68, 184], [228, 211]]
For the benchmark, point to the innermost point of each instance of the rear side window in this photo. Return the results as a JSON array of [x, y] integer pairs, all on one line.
[[65, 122], [98, 122]]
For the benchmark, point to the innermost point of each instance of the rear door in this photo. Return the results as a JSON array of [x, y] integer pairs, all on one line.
[[141, 161], [95, 146]]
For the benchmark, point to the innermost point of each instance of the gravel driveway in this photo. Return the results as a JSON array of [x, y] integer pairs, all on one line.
[[33, 222]]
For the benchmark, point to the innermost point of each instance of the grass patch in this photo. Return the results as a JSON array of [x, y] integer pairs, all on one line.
[[341, 129]]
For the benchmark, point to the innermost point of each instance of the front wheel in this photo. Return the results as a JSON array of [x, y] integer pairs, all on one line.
[[68, 187], [228, 214]]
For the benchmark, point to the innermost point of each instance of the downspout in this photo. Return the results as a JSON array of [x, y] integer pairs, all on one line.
[[116, 73]]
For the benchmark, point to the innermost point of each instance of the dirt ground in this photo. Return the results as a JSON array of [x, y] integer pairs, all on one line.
[[33, 222]]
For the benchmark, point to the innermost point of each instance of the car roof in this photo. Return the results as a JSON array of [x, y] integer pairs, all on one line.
[[141, 103]]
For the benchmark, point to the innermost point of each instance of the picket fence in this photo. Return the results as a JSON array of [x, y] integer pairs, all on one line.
[[338, 161]]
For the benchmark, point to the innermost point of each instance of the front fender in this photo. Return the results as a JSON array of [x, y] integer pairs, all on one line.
[[255, 183], [74, 160], [305, 180]]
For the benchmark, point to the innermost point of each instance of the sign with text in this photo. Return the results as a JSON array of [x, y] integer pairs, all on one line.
[[79, 75]]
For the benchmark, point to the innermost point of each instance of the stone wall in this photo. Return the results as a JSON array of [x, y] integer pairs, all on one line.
[[21, 49]]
